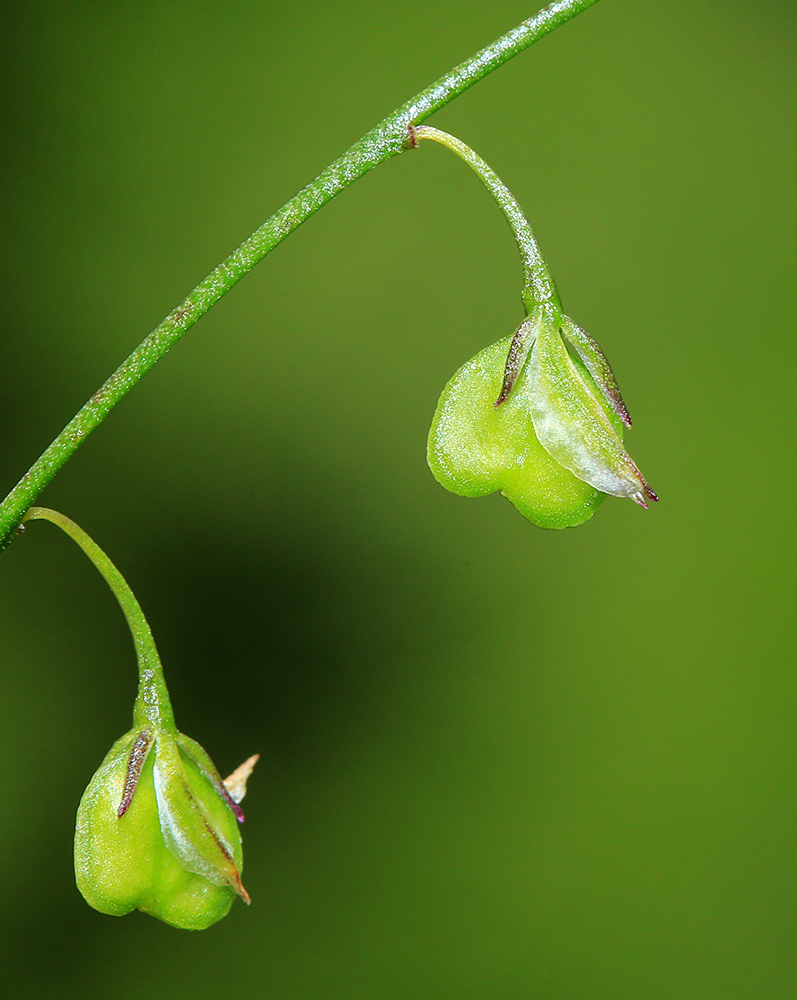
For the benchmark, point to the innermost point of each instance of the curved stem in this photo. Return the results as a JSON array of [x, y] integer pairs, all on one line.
[[385, 140], [152, 706], [538, 285]]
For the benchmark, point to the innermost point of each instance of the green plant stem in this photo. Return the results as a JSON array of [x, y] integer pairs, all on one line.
[[153, 706], [538, 285], [387, 139]]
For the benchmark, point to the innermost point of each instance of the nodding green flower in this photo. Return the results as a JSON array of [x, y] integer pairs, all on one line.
[[157, 830], [539, 417]]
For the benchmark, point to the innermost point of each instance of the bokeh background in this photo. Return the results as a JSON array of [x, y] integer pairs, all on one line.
[[496, 762]]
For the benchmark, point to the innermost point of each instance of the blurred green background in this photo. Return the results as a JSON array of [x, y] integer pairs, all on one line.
[[496, 762]]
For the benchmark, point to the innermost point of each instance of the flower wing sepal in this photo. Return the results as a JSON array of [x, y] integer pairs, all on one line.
[[578, 419], [199, 829]]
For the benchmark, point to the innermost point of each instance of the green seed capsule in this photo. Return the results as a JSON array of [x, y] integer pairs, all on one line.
[[538, 416], [476, 448], [157, 832]]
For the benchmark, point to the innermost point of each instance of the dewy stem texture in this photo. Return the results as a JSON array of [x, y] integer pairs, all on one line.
[[387, 139], [538, 285]]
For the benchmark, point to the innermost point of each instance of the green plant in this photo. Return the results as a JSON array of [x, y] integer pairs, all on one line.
[[537, 416]]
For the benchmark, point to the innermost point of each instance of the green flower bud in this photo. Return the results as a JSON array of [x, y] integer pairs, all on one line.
[[538, 417], [157, 828], [158, 831]]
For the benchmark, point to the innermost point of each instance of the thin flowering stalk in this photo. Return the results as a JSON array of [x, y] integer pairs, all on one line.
[[387, 139], [153, 705], [538, 285]]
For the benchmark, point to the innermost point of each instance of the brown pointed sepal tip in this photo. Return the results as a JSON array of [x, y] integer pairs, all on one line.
[[510, 375], [645, 494], [238, 886]]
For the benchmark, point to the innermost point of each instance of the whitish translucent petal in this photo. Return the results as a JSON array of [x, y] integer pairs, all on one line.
[[572, 425], [598, 366], [199, 843], [235, 783]]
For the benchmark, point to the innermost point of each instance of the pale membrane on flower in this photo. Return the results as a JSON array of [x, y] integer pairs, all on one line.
[[572, 423], [203, 838], [598, 366]]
